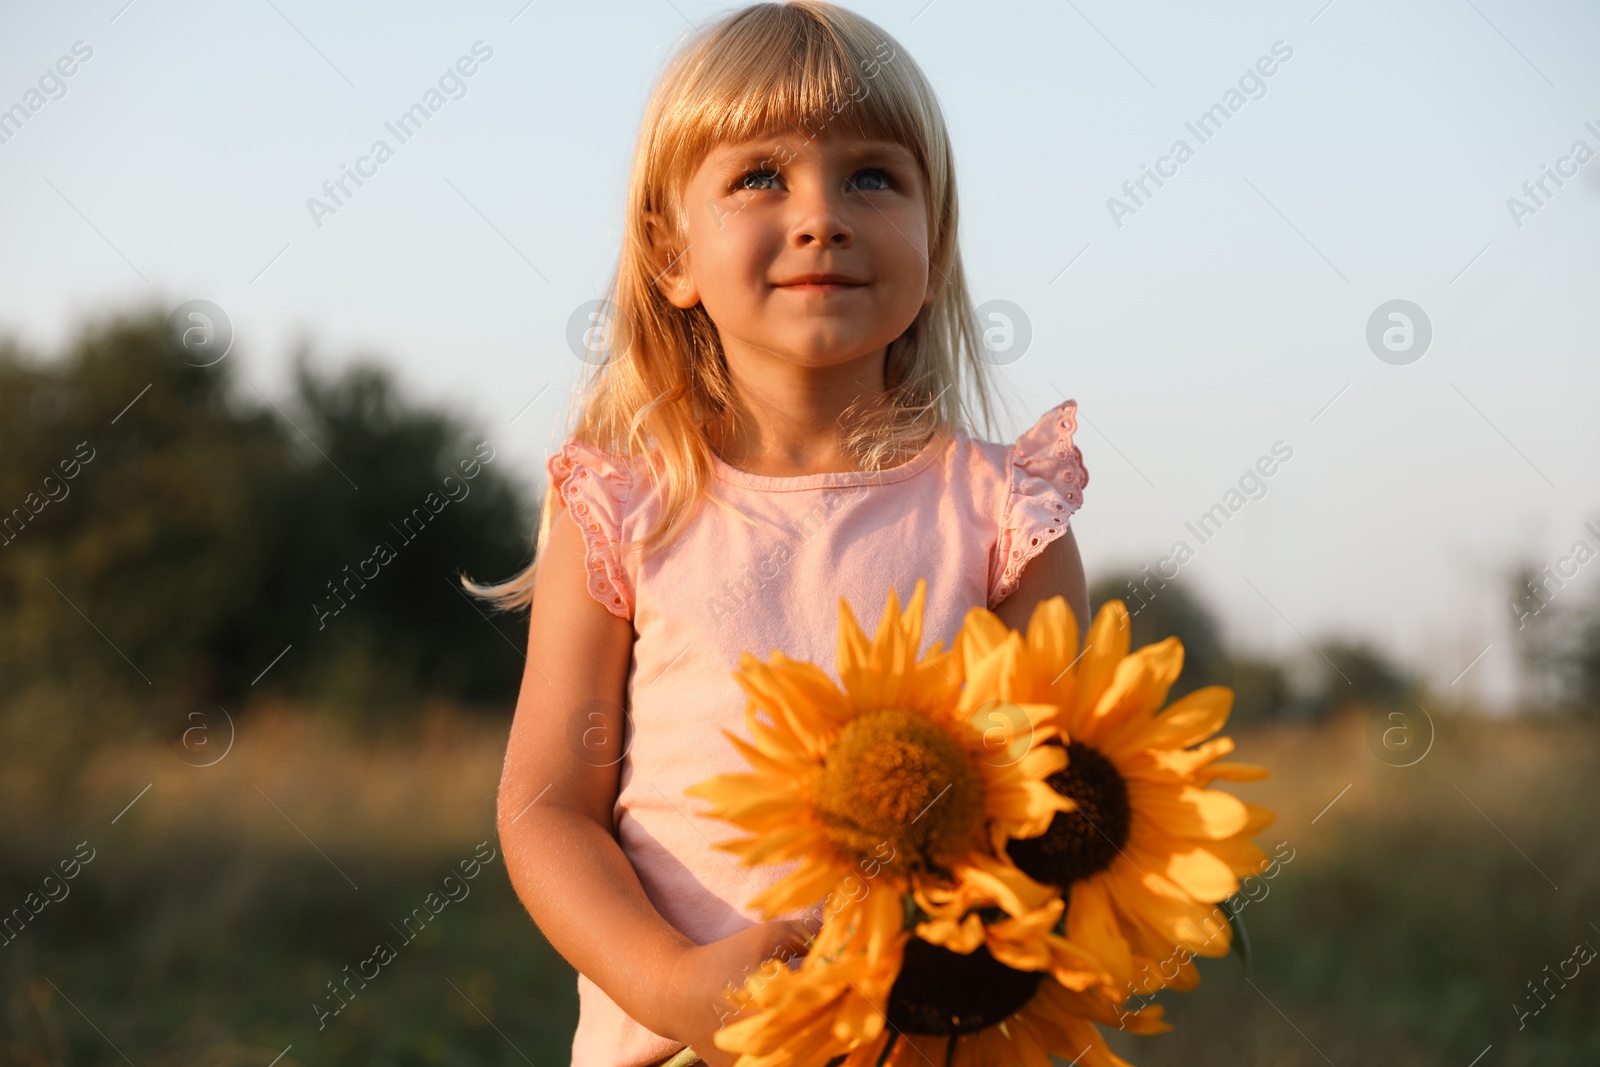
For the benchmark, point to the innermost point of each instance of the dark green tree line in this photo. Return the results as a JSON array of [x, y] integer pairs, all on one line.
[[163, 528]]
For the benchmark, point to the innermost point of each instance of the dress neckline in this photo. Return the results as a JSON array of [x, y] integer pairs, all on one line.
[[937, 445]]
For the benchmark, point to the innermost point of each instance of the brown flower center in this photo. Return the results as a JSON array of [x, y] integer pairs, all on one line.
[[1083, 842], [948, 993], [896, 777]]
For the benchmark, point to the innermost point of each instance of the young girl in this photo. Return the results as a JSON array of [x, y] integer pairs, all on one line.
[[781, 422]]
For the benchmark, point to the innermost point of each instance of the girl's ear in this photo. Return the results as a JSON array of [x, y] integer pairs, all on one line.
[[673, 276]]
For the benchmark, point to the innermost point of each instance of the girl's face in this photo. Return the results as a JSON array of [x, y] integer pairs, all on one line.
[[766, 217]]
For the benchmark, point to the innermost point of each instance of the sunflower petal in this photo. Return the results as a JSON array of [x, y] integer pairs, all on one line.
[[1138, 689], [981, 633], [1053, 632], [1107, 644], [1189, 721], [1006, 885], [1201, 874], [1187, 812], [1092, 924], [1235, 772]]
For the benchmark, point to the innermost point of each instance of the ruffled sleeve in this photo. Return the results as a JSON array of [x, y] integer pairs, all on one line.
[[594, 486], [1046, 479]]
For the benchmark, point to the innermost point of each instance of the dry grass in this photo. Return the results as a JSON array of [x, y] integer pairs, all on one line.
[[207, 925], [1407, 924]]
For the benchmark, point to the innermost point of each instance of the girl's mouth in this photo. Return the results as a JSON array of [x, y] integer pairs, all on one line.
[[823, 288]]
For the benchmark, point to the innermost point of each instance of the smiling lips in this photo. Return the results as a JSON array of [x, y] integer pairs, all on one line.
[[821, 283]]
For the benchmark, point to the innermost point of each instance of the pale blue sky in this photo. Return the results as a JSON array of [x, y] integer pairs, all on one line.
[[1225, 315]]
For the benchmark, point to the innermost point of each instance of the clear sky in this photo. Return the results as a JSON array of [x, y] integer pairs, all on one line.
[[1225, 312]]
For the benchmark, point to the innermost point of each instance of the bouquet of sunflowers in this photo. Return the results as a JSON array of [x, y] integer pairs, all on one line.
[[1039, 847]]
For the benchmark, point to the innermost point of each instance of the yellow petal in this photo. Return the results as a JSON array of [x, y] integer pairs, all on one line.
[[990, 678], [1167, 764], [1051, 656], [804, 887], [1242, 857], [958, 936], [1009, 730], [1190, 720], [1005, 884], [981, 633], [782, 845], [1138, 688], [1187, 812], [1201, 874], [1236, 772], [1107, 644], [1092, 924]]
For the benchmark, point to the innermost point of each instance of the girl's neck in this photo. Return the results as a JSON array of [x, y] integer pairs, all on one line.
[[789, 421]]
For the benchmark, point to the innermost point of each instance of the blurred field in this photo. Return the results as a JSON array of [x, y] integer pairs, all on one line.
[[207, 926], [1406, 927]]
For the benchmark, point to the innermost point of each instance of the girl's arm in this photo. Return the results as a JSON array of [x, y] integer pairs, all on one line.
[[1056, 571], [555, 819]]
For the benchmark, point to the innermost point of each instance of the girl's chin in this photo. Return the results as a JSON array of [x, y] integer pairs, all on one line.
[[821, 356]]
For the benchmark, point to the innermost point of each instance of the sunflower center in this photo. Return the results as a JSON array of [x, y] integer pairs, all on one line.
[[897, 777], [1083, 842], [947, 993]]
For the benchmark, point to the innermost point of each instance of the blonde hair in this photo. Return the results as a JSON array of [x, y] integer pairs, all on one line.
[[764, 68]]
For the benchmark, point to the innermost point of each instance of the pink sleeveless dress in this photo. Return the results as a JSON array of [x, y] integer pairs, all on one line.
[[965, 514]]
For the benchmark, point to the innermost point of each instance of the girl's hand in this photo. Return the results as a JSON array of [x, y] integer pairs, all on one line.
[[696, 991]]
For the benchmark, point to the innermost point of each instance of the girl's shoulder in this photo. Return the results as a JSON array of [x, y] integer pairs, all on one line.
[[1036, 484]]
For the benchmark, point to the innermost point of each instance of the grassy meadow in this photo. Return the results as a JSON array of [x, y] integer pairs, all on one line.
[[218, 906]]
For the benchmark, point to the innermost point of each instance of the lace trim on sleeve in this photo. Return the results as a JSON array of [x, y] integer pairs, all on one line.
[[1047, 477], [594, 487]]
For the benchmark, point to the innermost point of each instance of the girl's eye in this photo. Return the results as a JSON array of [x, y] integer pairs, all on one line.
[[874, 173], [758, 175]]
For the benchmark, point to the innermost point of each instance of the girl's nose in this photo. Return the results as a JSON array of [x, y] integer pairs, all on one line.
[[820, 219]]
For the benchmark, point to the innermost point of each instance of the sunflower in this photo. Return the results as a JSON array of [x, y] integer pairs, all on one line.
[[900, 773], [891, 774], [874, 994], [1147, 851], [927, 1005]]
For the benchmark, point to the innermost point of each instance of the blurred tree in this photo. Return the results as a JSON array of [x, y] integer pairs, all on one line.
[[1556, 633], [391, 501], [153, 537], [1260, 689], [1344, 673], [1538, 636], [1586, 658], [161, 533]]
